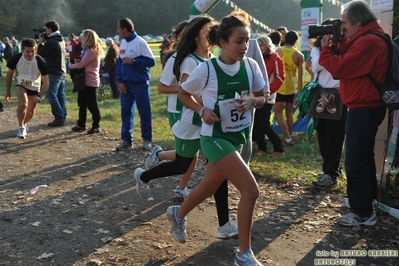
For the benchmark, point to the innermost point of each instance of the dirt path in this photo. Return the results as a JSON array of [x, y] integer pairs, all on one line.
[[90, 214]]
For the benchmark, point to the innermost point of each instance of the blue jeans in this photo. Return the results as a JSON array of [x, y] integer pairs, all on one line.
[[56, 97], [361, 129], [139, 94]]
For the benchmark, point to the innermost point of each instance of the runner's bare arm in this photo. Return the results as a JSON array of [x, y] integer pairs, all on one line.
[[9, 75]]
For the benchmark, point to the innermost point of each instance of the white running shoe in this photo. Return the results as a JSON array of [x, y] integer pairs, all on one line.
[[352, 219], [21, 133], [326, 181], [227, 231], [182, 193], [178, 225], [247, 259], [142, 188], [153, 159]]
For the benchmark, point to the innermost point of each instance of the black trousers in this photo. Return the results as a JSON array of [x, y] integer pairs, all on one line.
[[361, 128], [262, 126], [112, 83], [331, 136], [87, 99]]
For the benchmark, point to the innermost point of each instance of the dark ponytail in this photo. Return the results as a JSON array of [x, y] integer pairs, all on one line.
[[212, 38], [187, 43]]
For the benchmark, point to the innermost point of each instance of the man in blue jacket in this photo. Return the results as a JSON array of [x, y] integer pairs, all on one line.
[[54, 53], [133, 75]]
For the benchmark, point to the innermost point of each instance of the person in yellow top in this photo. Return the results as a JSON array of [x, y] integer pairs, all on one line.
[[293, 61]]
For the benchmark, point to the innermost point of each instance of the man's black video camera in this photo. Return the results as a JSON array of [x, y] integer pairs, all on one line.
[[334, 29], [39, 31]]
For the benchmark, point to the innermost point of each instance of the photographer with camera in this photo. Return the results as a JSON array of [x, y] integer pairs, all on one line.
[[54, 53], [360, 54]]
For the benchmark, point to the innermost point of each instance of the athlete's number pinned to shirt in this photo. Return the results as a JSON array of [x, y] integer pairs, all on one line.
[[25, 80], [232, 120]]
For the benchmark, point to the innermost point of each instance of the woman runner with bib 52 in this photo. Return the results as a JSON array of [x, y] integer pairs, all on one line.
[[230, 85]]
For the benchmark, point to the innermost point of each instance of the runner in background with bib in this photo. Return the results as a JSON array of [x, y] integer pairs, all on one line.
[[230, 85], [32, 70]]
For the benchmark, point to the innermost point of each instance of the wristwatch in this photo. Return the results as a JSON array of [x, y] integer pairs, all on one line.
[[134, 61]]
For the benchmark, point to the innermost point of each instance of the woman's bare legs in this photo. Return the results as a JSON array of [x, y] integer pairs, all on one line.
[[235, 170], [167, 155]]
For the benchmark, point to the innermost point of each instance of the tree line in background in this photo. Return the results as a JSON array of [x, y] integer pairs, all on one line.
[[19, 17]]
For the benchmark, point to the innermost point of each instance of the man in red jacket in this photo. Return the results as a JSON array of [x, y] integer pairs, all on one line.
[[360, 54]]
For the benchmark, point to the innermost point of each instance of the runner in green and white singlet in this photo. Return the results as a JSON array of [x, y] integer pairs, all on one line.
[[230, 85], [192, 50], [223, 85]]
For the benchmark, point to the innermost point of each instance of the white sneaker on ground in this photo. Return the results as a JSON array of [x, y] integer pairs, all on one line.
[[227, 231], [247, 259], [182, 193], [352, 219], [142, 188], [326, 181], [178, 225], [21, 132], [153, 159]]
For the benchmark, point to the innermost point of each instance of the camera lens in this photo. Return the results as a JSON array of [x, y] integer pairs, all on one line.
[[315, 31]]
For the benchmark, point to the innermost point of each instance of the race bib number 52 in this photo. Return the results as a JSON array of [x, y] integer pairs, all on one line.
[[232, 119]]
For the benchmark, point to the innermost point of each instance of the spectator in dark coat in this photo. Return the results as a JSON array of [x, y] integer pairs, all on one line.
[[109, 65], [8, 53], [54, 53]]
